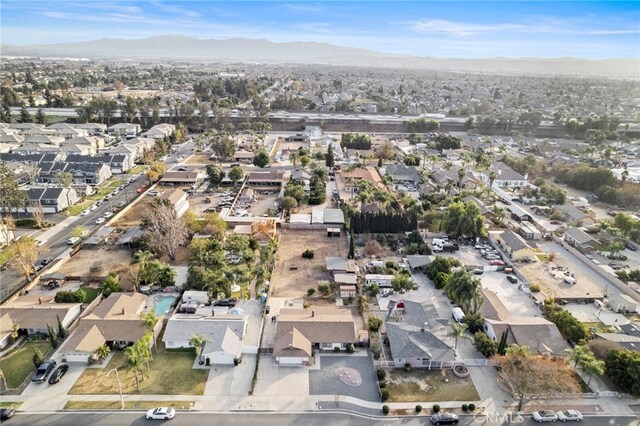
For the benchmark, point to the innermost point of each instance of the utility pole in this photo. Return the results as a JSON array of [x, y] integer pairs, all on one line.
[[119, 387]]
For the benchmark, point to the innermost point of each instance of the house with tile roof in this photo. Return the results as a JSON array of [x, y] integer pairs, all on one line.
[[301, 332], [115, 322]]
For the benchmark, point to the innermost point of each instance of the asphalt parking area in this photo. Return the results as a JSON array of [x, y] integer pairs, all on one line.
[[325, 381]]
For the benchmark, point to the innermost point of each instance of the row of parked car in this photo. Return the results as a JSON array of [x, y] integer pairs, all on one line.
[[538, 416], [48, 370]]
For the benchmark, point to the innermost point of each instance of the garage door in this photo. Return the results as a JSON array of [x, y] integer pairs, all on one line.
[[220, 359], [77, 357], [290, 360]]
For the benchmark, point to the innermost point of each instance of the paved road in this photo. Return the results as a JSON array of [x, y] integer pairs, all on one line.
[[272, 418], [56, 244]]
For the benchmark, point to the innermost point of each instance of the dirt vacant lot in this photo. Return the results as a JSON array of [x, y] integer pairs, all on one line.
[[108, 260], [553, 285], [287, 282], [133, 216], [199, 158]]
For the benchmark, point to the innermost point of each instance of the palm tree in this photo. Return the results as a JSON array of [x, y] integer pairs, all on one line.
[[457, 331], [464, 289], [198, 341], [461, 173], [500, 215], [134, 363], [102, 352], [143, 258], [294, 157], [150, 319], [492, 177]]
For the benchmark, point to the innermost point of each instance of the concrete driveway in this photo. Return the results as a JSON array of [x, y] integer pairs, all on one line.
[[274, 380], [324, 381], [231, 380]]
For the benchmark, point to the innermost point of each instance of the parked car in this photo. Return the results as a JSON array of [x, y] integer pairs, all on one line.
[[58, 373], [444, 419], [108, 214], [43, 371], [121, 204], [95, 206], [6, 413], [85, 212], [512, 279], [226, 302], [71, 241], [162, 413], [544, 416], [630, 246], [493, 257], [46, 261], [555, 222], [569, 416], [496, 263], [100, 220], [477, 271], [153, 193], [457, 314]]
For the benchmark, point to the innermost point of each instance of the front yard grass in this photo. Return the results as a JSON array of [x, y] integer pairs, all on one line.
[[76, 209], [170, 373], [91, 294], [17, 366], [129, 405], [137, 169], [9, 404], [7, 253], [428, 386]]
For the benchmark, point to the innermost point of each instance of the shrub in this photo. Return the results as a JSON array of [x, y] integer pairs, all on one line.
[[534, 288], [465, 407], [38, 358], [325, 289], [336, 349], [374, 323], [311, 292], [407, 367], [436, 408], [308, 254], [418, 408], [472, 406], [77, 296], [384, 394], [485, 345], [350, 348], [382, 384], [385, 409], [381, 374]]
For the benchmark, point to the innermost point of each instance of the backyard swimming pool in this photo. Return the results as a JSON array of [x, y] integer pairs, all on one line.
[[163, 305]]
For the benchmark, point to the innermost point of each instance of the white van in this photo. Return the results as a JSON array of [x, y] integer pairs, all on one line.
[[569, 279], [71, 241], [457, 314]]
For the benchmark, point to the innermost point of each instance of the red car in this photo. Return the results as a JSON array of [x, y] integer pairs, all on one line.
[[555, 222], [496, 263]]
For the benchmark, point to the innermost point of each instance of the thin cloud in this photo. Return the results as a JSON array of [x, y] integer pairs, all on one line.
[[303, 7], [464, 29]]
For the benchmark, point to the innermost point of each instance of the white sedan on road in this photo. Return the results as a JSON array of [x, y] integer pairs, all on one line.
[[85, 212], [569, 416], [162, 413], [100, 220]]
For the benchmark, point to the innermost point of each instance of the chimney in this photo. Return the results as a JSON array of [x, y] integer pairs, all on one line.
[[39, 300], [124, 311]]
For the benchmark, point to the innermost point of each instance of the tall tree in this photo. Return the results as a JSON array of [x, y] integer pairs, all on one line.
[[261, 159], [166, 229], [528, 375], [457, 331], [149, 320], [352, 249], [11, 197], [215, 174], [198, 341], [464, 289], [25, 117], [329, 159], [236, 174], [26, 253], [62, 332]]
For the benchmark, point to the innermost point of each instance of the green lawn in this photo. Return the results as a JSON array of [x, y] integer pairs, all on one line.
[[7, 253], [9, 404], [129, 405], [171, 373], [137, 169], [429, 385], [91, 293], [17, 366], [76, 209]]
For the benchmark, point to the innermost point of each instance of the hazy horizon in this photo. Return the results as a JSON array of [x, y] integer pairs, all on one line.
[[465, 30]]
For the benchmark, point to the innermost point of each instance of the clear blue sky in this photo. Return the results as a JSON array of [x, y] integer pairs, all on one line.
[[444, 29]]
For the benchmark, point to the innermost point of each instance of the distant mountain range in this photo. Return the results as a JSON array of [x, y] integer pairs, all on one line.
[[259, 50]]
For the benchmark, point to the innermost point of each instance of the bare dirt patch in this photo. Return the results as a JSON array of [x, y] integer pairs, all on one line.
[[552, 283], [133, 216], [108, 260], [429, 385], [199, 159], [293, 274]]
